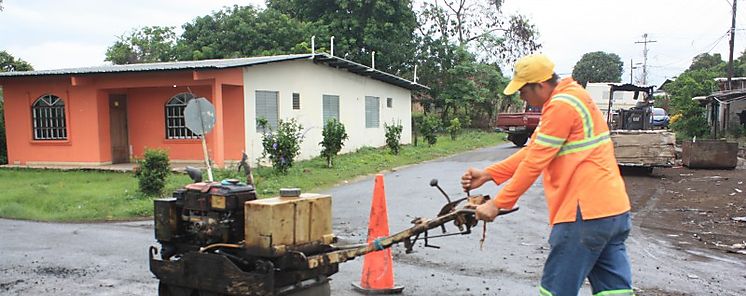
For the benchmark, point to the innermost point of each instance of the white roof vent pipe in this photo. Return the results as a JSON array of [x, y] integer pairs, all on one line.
[[332, 50], [415, 73], [313, 44], [373, 60]]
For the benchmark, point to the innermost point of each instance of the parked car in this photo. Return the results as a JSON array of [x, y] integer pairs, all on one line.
[[519, 126], [660, 118]]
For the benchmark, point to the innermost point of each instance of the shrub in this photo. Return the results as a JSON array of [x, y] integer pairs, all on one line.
[[393, 136], [334, 136], [691, 124], [454, 129], [429, 128], [152, 171], [282, 146]]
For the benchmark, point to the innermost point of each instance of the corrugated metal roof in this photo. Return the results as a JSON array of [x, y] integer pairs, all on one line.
[[185, 65], [227, 63]]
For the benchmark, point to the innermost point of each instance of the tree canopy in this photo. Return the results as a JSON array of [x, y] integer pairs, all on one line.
[[598, 66], [144, 45], [480, 27], [361, 27], [458, 46], [8, 63], [698, 80], [245, 31]]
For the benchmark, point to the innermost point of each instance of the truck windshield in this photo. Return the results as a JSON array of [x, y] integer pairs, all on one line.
[[533, 109]]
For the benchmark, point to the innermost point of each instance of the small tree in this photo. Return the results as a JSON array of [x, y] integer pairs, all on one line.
[[429, 128], [454, 129], [334, 136], [281, 146], [152, 171], [393, 136]]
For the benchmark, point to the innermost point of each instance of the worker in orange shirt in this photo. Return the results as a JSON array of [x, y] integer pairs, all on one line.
[[585, 194]]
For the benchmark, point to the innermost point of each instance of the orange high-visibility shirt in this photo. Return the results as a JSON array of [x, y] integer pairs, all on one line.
[[573, 149]]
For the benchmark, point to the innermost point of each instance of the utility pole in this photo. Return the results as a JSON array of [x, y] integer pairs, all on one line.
[[730, 66], [645, 57], [732, 37]]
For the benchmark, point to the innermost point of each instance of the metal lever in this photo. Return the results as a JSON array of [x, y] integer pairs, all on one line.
[[434, 183]]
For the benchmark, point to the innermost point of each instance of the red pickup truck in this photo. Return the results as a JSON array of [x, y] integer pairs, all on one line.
[[519, 126]]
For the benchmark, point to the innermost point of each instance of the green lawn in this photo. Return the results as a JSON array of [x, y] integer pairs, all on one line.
[[51, 195]]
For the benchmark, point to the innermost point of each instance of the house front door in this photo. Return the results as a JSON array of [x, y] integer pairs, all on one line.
[[118, 129]]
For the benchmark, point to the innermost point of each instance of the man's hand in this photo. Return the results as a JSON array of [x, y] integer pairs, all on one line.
[[487, 211], [473, 178]]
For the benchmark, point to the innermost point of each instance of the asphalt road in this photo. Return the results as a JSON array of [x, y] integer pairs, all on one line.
[[111, 258]]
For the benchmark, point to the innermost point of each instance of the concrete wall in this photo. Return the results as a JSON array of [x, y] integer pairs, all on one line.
[[312, 81], [86, 101], [83, 144]]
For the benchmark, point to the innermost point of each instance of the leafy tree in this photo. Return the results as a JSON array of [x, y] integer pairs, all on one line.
[[245, 31], [461, 85], [598, 66], [706, 61], [144, 45], [334, 136], [460, 47], [8, 63], [481, 27], [690, 84], [361, 27]]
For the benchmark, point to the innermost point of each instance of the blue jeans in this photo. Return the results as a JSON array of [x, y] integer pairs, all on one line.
[[593, 249]]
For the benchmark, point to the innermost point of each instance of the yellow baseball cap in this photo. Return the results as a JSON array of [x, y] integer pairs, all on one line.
[[533, 68]]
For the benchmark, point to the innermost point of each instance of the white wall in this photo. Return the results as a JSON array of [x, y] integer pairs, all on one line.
[[600, 91], [312, 81]]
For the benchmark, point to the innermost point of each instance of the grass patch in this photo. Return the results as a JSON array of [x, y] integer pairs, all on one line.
[[53, 195], [313, 175]]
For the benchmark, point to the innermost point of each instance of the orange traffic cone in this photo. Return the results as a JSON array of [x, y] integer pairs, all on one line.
[[378, 267]]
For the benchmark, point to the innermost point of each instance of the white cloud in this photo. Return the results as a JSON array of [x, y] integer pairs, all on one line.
[[76, 33], [58, 55], [682, 29]]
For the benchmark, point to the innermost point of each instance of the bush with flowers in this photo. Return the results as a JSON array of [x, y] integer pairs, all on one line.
[[283, 145]]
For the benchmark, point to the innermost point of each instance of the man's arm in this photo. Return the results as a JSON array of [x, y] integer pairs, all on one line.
[[557, 121], [503, 170]]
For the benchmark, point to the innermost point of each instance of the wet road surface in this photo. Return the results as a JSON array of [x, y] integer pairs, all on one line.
[[111, 258]]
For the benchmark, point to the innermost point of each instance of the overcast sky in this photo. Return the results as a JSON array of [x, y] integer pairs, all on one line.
[[53, 34]]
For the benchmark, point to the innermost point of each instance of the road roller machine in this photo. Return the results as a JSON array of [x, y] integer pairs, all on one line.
[[217, 238]]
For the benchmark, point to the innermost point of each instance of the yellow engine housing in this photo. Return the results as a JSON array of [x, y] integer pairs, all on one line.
[[274, 225]]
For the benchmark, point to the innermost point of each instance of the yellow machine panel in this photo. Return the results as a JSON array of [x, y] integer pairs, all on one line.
[[274, 224]]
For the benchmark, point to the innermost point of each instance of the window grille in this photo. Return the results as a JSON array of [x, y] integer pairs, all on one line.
[[330, 107], [296, 101], [175, 120], [48, 115], [266, 107], [372, 106]]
